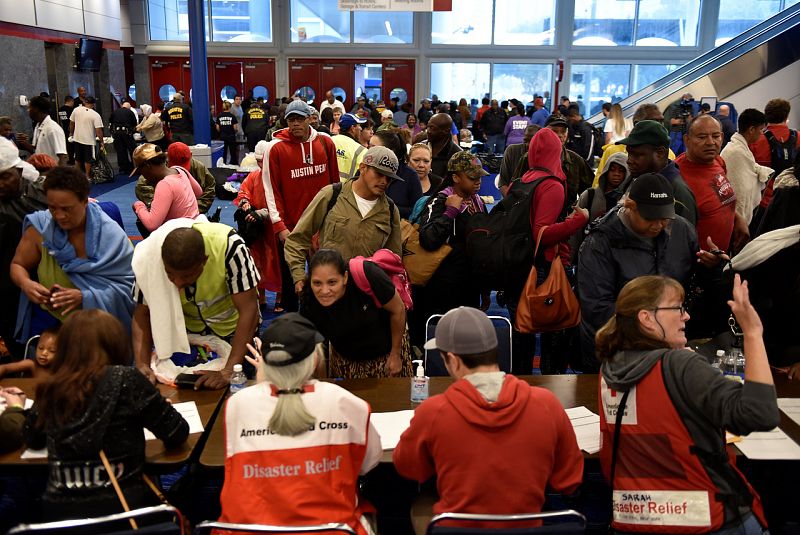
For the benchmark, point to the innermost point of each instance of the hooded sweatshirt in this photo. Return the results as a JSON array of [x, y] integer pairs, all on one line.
[[297, 170], [527, 424], [602, 201], [547, 204], [706, 401]]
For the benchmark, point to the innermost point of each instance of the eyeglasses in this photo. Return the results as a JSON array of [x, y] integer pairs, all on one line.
[[681, 307]]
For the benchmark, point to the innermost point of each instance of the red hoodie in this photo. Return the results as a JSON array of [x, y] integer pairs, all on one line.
[[491, 457], [544, 158], [295, 173]]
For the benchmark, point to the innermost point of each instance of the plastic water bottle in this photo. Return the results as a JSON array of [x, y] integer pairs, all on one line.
[[719, 360], [733, 365], [238, 379]]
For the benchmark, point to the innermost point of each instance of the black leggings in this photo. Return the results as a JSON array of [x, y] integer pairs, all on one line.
[[231, 148]]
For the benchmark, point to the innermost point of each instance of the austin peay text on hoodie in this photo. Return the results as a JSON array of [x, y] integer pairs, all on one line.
[[309, 170]]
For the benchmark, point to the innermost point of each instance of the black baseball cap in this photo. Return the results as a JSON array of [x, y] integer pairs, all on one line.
[[556, 119], [291, 333], [654, 196]]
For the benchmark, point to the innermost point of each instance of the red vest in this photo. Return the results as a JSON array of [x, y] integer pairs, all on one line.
[[307, 479], [660, 484]]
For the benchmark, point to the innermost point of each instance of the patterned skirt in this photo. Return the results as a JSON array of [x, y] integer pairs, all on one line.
[[339, 366]]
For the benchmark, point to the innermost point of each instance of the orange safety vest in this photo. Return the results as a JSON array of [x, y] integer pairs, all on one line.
[[661, 484], [311, 478]]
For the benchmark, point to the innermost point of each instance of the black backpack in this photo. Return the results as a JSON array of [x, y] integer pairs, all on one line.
[[598, 140], [783, 154], [500, 243]]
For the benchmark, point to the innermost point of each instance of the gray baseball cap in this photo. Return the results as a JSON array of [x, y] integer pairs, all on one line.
[[464, 331], [297, 107], [383, 160]]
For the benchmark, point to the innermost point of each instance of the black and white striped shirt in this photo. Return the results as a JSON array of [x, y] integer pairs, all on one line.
[[241, 271]]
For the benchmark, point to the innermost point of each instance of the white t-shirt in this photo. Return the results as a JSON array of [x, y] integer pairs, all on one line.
[[48, 138], [365, 206], [610, 128], [86, 121], [336, 104]]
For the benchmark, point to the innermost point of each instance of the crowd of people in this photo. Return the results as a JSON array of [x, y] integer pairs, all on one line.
[[661, 245]]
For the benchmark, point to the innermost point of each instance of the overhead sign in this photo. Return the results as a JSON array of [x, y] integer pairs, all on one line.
[[389, 5]]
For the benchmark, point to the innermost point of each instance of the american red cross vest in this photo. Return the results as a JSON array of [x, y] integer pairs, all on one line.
[[660, 484], [307, 479]]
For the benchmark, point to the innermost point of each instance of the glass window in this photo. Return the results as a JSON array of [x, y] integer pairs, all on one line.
[[515, 26], [242, 21], [453, 81], [400, 94], [166, 91], [644, 75], [603, 22], [169, 20], [339, 93], [306, 93], [227, 93], [667, 23], [260, 91], [737, 17], [520, 81], [469, 23], [383, 27], [591, 85], [319, 21], [132, 92]]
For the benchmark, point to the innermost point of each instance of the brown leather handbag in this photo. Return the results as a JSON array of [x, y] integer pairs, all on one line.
[[552, 306]]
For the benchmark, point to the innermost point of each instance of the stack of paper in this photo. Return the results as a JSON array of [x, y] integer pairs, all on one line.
[[790, 407], [390, 425], [772, 445], [189, 412], [587, 428]]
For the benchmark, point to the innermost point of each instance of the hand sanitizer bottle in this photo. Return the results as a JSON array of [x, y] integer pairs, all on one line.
[[419, 384]]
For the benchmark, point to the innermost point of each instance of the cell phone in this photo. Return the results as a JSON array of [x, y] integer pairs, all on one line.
[[54, 290], [186, 380]]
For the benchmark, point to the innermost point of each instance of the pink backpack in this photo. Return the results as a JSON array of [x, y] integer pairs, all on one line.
[[392, 265]]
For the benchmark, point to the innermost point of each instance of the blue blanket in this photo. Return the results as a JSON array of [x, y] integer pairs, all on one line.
[[104, 277]]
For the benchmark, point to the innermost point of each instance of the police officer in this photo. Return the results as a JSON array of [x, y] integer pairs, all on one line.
[[63, 119], [123, 123], [179, 119], [255, 124]]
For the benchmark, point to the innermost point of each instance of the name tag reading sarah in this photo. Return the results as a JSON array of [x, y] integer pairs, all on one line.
[[662, 507]]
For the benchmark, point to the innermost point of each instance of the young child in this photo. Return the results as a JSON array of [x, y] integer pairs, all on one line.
[[45, 352]]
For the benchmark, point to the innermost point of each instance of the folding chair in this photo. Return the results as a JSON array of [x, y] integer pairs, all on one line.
[[434, 365], [560, 522], [113, 524], [206, 527]]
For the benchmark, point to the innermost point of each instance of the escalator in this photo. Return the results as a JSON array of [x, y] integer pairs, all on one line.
[[769, 48]]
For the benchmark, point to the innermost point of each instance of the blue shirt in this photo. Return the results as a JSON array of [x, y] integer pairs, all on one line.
[[540, 116]]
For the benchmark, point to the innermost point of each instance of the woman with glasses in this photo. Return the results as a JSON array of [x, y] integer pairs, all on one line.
[[664, 411]]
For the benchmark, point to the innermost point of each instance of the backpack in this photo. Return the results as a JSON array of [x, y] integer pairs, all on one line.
[[392, 265], [337, 189], [419, 206], [500, 243], [782, 154], [598, 140]]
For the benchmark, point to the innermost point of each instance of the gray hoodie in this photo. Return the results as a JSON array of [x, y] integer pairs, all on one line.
[[707, 403]]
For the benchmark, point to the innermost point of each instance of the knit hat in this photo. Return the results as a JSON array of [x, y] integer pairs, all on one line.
[[179, 154]]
